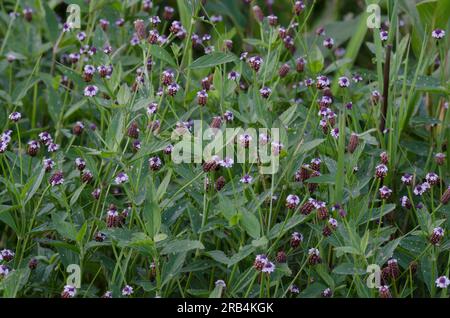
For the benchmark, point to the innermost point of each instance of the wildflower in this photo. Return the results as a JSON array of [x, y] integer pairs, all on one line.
[[113, 218], [384, 35], [234, 76], [227, 162], [15, 116], [74, 57], [220, 283], [439, 158], [100, 236], [176, 27], [300, 64], [147, 5], [357, 78], [202, 97], [172, 89], [421, 188], [296, 239], [315, 164], [438, 34], [155, 20], [284, 70], [246, 179], [273, 20], [155, 163], [245, 140], [405, 202], [168, 13], [384, 158], [6, 255], [353, 143], [259, 15], [385, 192], [28, 14], [57, 179], [294, 289], [260, 262], [220, 183], [153, 36], [139, 27], [136, 145], [328, 43], [4, 271], [269, 267], [437, 235], [49, 164], [322, 82], [314, 256], [322, 210], [299, 6], [292, 201], [104, 24], [127, 290], [90, 91], [327, 293], [133, 130], [442, 282], [216, 18], [211, 165], [446, 196], [87, 176], [167, 77], [339, 52], [335, 133], [33, 148], [375, 96], [281, 257], [96, 193], [407, 179], [276, 148], [265, 92], [381, 171], [255, 63], [384, 292], [308, 206], [394, 270], [432, 178], [80, 163], [107, 294], [120, 22], [69, 291], [10, 57], [52, 147], [33, 263], [122, 177], [168, 150], [344, 81]]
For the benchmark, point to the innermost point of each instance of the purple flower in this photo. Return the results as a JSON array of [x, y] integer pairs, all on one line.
[[90, 91], [122, 177], [438, 34]]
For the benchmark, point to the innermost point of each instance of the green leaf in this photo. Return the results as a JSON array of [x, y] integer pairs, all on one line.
[[316, 62], [115, 131], [51, 23], [348, 269], [124, 95], [375, 214], [152, 218], [7, 218], [36, 181], [310, 145], [213, 59], [161, 54], [181, 246], [162, 189], [251, 224]]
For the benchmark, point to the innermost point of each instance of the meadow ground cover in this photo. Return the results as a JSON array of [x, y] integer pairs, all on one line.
[[224, 148]]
